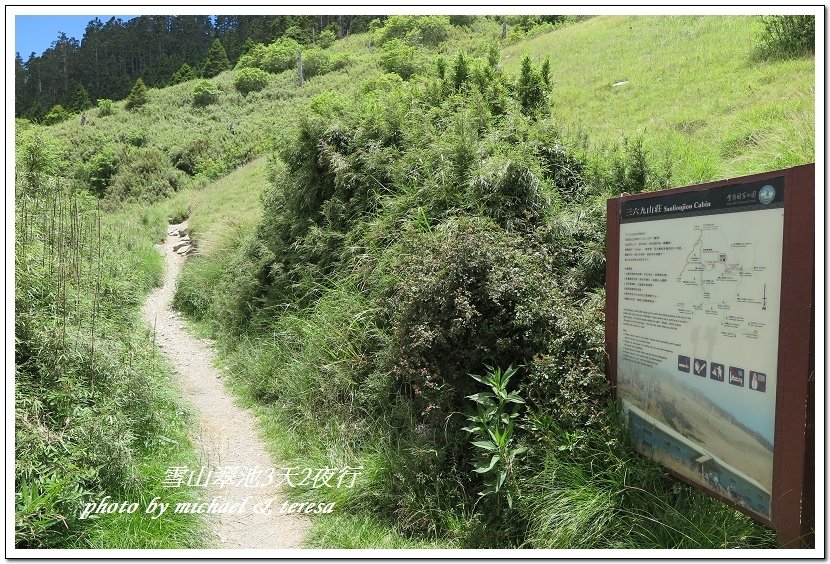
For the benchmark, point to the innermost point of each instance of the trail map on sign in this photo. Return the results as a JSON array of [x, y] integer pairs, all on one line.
[[727, 269]]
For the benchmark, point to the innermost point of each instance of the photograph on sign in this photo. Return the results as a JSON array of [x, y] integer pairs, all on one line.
[[697, 349]]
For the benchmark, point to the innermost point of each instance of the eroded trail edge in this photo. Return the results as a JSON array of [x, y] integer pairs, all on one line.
[[224, 434]]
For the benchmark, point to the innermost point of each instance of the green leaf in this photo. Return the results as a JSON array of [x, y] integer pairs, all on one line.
[[482, 398], [513, 397], [486, 445], [481, 379], [483, 469]]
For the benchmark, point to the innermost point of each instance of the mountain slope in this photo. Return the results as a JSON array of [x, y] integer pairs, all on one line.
[[693, 86]]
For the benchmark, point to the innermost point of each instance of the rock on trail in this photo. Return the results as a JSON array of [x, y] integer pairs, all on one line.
[[224, 434]]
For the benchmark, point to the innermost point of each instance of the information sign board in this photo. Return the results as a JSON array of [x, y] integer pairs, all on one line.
[[700, 306]]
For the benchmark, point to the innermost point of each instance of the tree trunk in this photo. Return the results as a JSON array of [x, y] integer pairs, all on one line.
[[300, 66]]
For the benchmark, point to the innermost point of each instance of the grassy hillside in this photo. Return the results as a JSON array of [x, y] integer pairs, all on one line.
[[324, 329], [695, 87], [371, 239]]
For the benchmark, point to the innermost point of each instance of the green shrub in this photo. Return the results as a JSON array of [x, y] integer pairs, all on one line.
[[144, 174], [510, 192], [470, 295], [316, 61], [386, 82], [138, 95], [326, 38], [106, 107], [135, 136], [279, 56], [788, 36], [102, 167], [205, 93], [568, 380], [422, 30], [564, 171], [38, 157], [400, 58], [329, 105], [633, 170], [56, 115], [249, 80], [252, 58], [188, 158]]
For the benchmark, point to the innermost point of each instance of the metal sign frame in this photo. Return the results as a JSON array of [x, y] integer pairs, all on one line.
[[793, 485]]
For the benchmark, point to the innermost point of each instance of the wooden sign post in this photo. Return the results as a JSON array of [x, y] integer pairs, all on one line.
[[709, 335]]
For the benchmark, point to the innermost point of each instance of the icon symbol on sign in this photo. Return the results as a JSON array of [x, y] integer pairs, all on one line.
[[766, 194]]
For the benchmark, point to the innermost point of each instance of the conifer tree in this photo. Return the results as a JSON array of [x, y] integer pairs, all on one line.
[[216, 60], [461, 71], [530, 89], [184, 74], [546, 72], [80, 100], [138, 95]]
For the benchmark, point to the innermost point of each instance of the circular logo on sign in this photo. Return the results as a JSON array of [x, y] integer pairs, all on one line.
[[766, 194]]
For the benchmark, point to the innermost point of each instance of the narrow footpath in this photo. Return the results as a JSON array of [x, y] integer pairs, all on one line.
[[224, 434]]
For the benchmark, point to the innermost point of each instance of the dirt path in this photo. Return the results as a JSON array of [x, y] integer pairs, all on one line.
[[225, 434]]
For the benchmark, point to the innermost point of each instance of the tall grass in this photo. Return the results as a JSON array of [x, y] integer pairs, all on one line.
[[94, 410], [592, 490]]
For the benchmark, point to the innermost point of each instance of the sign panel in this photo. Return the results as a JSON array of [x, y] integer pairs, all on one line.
[[698, 326]]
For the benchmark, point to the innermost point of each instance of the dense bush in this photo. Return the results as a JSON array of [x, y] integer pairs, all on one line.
[[326, 38], [470, 295], [205, 93], [249, 80], [283, 54], [532, 89], [509, 191], [106, 107], [56, 115], [316, 61], [788, 36], [144, 174], [277, 57], [420, 30], [100, 169], [400, 58]]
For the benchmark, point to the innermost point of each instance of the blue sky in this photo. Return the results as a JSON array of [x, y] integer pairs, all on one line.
[[36, 33]]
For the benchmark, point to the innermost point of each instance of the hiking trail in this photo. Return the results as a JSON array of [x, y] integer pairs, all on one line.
[[224, 434]]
